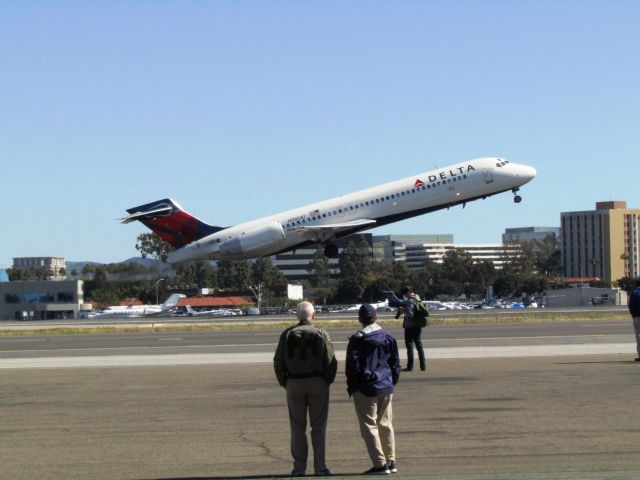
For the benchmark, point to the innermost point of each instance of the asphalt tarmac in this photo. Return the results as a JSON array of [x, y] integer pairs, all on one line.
[[543, 417]]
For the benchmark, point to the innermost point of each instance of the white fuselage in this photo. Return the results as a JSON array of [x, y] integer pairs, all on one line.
[[134, 311], [129, 311], [361, 210]]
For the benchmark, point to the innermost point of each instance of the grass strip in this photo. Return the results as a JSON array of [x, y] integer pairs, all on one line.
[[435, 319]]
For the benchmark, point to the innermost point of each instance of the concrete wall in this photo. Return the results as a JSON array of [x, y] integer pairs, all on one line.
[[585, 296]]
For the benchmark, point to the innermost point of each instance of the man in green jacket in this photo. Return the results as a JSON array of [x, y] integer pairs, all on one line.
[[305, 365]]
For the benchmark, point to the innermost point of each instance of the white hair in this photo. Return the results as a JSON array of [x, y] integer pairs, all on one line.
[[305, 311]]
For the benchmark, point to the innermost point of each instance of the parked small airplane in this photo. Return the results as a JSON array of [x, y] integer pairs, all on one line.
[[323, 222], [376, 305], [216, 312], [134, 311]]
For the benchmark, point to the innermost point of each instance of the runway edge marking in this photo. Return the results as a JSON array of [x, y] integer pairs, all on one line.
[[267, 357]]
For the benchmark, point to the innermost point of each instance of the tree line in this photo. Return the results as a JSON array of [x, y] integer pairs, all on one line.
[[532, 269]]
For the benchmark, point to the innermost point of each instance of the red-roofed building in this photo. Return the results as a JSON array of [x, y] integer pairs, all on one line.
[[577, 281], [215, 302]]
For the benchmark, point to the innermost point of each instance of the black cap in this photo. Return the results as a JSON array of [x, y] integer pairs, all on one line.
[[367, 313]]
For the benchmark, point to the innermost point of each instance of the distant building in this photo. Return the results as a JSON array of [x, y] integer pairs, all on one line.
[[57, 265], [498, 255], [603, 243], [529, 234], [393, 248], [294, 264], [42, 300], [416, 250]]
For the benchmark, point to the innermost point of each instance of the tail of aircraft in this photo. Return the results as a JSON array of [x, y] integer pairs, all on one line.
[[172, 301], [170, 222]]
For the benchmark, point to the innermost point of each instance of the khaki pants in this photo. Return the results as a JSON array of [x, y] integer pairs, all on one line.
[[375, 416], [310, 394]]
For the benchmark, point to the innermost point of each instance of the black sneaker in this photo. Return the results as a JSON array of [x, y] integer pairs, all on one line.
[[392, 466], [323, 473], [383, 470], [296, 473]]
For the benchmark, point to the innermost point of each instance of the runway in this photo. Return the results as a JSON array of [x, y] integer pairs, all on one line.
[[267, 357], [257, 346], [543, 412]]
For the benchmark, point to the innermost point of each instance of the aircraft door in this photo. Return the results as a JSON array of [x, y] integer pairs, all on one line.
[[488, 175]]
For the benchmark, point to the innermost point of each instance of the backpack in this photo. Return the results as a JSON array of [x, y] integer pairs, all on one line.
[[421, 314], [372, 358], [304, 353]]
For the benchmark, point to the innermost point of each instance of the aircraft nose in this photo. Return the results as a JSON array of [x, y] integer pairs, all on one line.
[[526, 172]]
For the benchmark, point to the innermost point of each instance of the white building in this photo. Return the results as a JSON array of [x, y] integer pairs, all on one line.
[[416, 250]]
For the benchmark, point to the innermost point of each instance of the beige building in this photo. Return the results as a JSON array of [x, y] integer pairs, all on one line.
[[57, 265], [601, 243], [42, 300]]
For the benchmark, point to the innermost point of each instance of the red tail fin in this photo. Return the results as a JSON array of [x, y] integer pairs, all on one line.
[[167, 220]]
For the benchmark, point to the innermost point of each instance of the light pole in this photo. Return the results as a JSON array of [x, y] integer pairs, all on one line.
[[157, 285]]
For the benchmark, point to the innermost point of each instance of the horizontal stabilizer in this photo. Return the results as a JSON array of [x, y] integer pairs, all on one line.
[[149, 214]]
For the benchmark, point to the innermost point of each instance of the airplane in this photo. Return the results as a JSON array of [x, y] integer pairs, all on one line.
[[323, 222], [376, 305], [135, 311], [217, 312]]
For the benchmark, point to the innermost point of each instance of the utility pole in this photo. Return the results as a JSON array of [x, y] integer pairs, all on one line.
[[157, 293]]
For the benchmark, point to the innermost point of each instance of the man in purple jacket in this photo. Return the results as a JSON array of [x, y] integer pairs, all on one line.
[[373, 369]]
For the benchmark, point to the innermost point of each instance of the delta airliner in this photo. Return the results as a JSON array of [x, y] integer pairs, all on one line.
[[325, 221]]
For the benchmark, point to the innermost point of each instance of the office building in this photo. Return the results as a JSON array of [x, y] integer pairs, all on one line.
[[601, 243], [294, 265], [42, 300], [416, 250], [529, 234], [57, 265], [418, 255], [393, 248]]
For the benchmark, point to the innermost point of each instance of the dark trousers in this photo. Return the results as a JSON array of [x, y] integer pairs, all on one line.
[[308, 395], [411, 337]]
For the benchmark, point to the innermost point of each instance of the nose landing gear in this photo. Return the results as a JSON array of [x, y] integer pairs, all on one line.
[[516, 198]]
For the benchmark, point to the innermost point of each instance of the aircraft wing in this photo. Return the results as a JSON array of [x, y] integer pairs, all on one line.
[[334, 227]]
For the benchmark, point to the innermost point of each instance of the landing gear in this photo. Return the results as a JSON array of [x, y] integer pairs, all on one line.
[[516, 198], [330, 250]]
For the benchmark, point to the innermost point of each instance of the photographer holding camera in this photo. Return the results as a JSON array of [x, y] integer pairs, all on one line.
[[412, 326]]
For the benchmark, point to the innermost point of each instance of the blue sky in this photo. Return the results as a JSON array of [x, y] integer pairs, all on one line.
[[247, 108]]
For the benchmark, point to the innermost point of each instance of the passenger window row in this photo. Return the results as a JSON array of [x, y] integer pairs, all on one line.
[[357, 206]]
